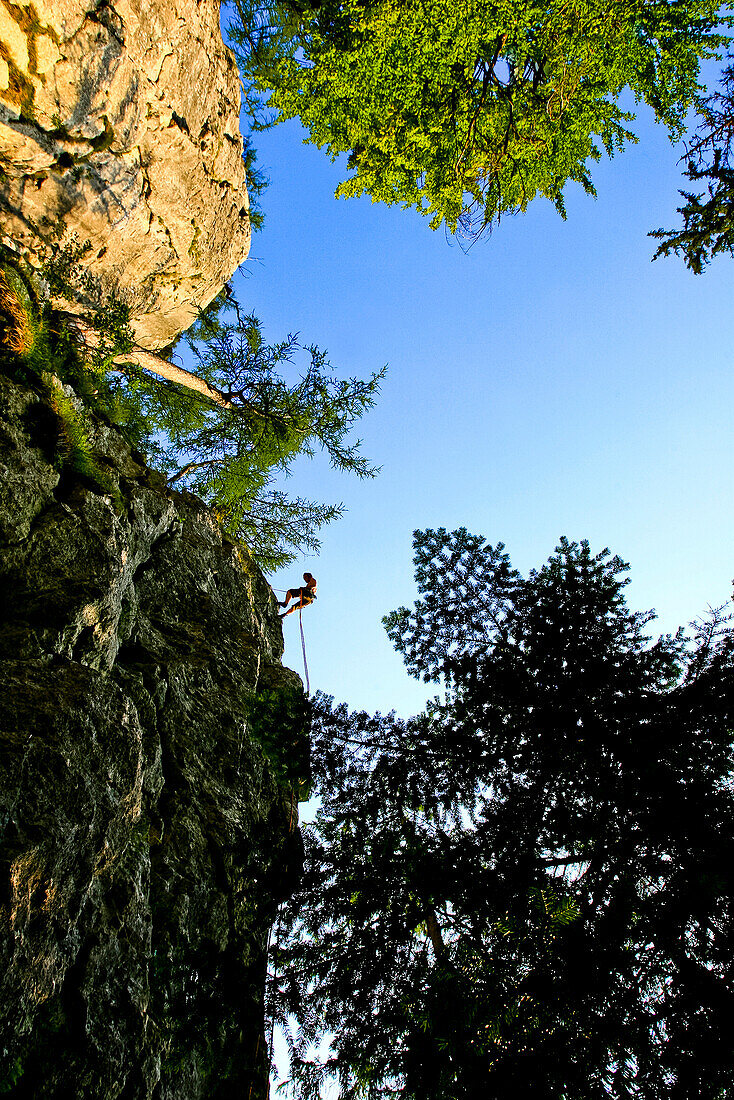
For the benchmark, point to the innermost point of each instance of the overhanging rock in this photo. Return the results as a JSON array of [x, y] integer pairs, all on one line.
[[119, 122]]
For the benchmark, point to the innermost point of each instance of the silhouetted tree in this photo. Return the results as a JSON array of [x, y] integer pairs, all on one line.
[[708, 216], [528, 888]]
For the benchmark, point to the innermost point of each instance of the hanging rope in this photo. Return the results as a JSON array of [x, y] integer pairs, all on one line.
[[303, 647], [303, 640]]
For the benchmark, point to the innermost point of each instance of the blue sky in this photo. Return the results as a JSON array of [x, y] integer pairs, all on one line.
[[550, 381]]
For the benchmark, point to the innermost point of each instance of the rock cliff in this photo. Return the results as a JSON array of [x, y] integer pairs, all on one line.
[[145, 840], [119, 121]]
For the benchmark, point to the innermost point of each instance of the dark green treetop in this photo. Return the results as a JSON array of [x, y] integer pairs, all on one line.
[[526, 890], [468, 111]]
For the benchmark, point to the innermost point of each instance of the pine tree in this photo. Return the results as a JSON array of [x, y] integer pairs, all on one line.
[[528, 888]]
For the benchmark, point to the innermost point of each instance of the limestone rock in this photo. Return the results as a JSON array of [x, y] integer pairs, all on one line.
[[119, 121], [144, 839]]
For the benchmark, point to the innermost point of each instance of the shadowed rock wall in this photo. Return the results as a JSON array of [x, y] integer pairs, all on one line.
[[144, 841], [119, 121]]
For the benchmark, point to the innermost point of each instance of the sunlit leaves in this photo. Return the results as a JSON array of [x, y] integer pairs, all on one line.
[[466, 112]]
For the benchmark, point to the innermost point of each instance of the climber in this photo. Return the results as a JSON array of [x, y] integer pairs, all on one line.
[[305, 595]]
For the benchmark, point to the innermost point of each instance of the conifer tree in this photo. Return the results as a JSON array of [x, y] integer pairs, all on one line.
[[527, 889], [708, 216], [278, 402]]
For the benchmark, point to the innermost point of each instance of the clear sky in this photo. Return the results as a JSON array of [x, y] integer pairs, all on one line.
[[550, 381]]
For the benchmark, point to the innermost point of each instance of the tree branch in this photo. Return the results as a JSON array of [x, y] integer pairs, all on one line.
[[146, 360], [565, 861], [192, 466], [153, 363]]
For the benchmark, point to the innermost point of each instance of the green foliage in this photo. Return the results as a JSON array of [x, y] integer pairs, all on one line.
[[233, 454], [279, 719], [43, 344], [104, 311], [528, 889], [36, 347], [75, 450], [708, 218], [257, 183], [232, 457], [467, 112], [11, 1075]]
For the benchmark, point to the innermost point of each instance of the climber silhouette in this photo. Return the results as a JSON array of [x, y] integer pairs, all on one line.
[[305, 596]]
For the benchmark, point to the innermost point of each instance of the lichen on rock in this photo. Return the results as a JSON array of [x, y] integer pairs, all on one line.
[[145, 839], [119, 122]]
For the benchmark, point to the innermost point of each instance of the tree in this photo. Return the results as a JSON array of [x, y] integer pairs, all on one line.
[[708, 218], [233, 450], [528, 888], [467, 111], [230, 430]]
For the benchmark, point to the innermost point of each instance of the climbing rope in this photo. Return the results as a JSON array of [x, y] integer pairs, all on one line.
[[303, 640], [303, 647]]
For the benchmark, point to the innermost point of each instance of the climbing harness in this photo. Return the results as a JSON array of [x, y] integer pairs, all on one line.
[[301, 606]]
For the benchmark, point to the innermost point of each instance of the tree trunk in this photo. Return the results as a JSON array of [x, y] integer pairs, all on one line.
[[148, 361]]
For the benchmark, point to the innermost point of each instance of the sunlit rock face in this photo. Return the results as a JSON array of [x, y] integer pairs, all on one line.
[[119, 121], [144, 841]]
